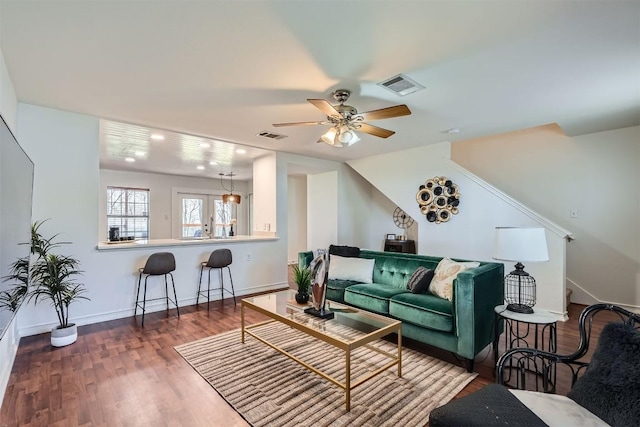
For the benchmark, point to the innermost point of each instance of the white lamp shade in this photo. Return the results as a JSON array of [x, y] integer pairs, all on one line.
[[520, 244], [330, 137]]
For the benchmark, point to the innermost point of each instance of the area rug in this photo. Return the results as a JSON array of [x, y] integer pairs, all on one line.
[[269, 389]]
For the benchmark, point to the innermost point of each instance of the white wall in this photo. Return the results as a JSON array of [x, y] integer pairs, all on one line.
[[470, 234], [160, 197], [322, 210], [296, 216], [11, 338], [66, 191], [264, 196], [598, 176]]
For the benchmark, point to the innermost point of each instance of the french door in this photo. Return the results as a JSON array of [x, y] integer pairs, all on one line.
[[203, 215]]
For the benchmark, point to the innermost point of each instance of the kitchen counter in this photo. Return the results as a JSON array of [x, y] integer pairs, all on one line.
[[158, 243]]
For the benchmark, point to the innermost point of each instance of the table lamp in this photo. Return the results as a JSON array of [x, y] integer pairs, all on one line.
[[520, 244]]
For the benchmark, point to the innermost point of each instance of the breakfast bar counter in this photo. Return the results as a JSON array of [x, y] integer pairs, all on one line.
[[160, 243]]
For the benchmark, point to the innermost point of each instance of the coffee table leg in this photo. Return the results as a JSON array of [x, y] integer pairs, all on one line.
[[242, 320], [347, 390], [400, 353]]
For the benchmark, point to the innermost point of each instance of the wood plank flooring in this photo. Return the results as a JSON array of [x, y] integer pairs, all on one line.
[[119, 374]]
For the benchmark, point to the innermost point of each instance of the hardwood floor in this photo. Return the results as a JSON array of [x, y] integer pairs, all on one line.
[[119, 374]]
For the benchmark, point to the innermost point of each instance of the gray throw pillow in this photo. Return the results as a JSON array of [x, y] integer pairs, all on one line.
[[609, 388], [422, 287], [415, 277]]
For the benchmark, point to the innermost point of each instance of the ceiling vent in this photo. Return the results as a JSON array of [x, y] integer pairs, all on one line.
[[401, 85], [271, 135]]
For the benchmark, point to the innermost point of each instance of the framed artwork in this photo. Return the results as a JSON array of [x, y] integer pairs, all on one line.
[[391, 237]]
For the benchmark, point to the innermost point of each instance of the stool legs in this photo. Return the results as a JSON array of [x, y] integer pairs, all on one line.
[[222, 288], [144, 295], [233, 291]]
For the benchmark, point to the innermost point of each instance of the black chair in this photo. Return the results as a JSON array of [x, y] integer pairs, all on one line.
[[607, 386], [220, 258], [158, 264]]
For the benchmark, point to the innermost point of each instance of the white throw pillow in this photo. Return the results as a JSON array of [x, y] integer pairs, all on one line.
[[446, 272], [357, 269]]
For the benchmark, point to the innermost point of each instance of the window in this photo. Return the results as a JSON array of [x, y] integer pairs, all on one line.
[[128, 209]]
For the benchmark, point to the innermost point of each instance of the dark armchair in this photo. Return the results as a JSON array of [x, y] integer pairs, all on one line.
[[604, 391]]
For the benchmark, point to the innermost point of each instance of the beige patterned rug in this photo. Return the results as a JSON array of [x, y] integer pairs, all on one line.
[[269, 389]]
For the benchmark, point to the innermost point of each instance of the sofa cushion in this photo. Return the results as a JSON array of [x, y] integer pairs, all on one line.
[[446, 272], [335, 289], [609, 388], [344, 251], [424, 310], [415, 277], [357, 269], [372, 296]]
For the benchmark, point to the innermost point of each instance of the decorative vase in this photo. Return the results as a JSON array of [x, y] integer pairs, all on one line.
[[61, 337], [302, 297]]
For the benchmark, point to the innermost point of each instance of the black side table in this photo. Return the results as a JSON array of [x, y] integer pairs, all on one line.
[[519, 330]]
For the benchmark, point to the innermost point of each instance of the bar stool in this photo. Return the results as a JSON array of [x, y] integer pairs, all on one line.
[[220, 258], [158, 264]]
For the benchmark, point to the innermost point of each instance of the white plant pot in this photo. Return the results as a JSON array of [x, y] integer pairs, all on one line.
[[64, 336]]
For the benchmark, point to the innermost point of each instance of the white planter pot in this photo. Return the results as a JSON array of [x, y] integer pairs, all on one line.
[[64, 336]]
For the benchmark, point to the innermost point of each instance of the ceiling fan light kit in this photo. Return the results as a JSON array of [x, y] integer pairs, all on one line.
[[345, 120]]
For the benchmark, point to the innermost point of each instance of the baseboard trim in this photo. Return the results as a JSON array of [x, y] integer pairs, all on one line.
[[150, 308]]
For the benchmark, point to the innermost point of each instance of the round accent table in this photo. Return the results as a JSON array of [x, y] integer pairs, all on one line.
[[537, 331]]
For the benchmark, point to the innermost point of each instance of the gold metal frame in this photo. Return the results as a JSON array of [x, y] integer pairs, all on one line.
[[347, 347]]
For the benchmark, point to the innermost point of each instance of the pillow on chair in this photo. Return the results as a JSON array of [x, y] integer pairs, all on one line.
[[610, 386]]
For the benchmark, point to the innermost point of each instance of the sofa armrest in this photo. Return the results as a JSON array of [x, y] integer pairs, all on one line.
[[476, 293], [305, 258]]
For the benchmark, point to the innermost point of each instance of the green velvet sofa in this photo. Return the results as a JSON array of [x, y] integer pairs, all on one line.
[[464, 326]]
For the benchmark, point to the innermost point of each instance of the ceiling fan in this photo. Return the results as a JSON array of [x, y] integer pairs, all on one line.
[[345, 120]]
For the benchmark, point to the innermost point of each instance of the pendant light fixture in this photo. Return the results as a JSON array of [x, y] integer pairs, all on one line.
[[229, 198]]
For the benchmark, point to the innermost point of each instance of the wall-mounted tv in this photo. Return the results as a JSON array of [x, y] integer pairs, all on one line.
[[16, 190]]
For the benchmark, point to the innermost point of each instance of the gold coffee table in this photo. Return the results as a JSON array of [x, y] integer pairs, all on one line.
[[363, 326]]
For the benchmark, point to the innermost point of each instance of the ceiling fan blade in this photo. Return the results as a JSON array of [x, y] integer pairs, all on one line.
[[375, 130], [299, 124], [324, 106], [386, 113]]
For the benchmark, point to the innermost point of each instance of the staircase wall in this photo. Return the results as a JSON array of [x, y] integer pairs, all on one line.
[[470, 233], [597, 176]]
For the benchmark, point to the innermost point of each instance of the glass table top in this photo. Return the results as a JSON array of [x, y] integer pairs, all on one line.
[[348, 325]]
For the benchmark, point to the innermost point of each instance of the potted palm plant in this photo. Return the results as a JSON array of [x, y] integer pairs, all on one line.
[[52, 276], [302, 277]]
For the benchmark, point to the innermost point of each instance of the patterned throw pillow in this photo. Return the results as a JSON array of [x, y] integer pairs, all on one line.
[[415, 277], [446, 272], [422, 287]]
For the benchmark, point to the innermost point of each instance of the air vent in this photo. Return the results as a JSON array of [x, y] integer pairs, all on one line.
[[401, 85], [271, 135]]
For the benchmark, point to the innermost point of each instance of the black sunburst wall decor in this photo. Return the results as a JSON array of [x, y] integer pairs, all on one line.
[[438, 199]]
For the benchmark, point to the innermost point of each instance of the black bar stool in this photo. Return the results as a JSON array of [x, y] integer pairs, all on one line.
[[220, 258], [158, 264]]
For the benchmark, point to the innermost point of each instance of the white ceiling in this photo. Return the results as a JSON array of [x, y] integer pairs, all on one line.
[[229, 69]]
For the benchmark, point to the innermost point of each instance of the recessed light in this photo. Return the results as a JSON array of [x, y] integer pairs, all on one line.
[[453, 130], [241, 151], [129, 159], [139, 153], [213, 163], [200, 167], [205, 145], [157, 137]]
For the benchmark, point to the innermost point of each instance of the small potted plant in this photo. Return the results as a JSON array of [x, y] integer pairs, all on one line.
[[302, 277], [52, 276]]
